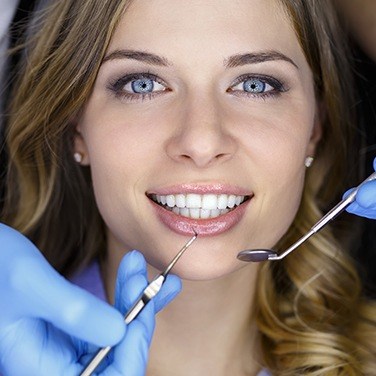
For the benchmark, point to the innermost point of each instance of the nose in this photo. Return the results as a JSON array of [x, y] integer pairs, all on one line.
[[202, 137]]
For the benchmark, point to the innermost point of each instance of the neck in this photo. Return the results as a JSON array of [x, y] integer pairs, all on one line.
[[208, 329]]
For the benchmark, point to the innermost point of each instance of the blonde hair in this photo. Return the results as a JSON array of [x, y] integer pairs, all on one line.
[[310, 311], [49, 197]]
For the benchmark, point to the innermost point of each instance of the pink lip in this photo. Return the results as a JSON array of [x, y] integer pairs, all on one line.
[[203, 227], [217, 188]]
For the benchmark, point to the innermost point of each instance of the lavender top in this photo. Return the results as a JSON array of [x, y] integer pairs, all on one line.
[[90, 279]]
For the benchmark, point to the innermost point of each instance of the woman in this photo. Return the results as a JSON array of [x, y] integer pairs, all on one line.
[[135, 123]]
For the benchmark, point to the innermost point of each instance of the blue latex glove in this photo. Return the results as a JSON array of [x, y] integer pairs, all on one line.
[[48, 326], [365, 201]]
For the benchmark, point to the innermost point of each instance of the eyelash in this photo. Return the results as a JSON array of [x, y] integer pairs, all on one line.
[[117, 87]]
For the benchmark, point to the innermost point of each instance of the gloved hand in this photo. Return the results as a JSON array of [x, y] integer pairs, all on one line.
[[48, 326], [365, 201]]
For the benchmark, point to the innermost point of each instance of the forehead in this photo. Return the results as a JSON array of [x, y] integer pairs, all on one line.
[[190, 28]]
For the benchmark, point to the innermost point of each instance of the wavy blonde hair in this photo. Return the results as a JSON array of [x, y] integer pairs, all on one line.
[[310, 311]]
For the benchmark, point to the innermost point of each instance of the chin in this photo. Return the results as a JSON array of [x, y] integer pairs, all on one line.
[[207, 269]]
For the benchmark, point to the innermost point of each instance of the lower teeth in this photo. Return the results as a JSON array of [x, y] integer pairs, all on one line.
[[197, 213]]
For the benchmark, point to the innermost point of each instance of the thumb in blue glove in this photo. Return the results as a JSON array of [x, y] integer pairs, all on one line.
[[365, 200]]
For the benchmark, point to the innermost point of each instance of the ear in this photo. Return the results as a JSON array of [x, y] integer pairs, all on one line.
[[79, 146], [316, 132]]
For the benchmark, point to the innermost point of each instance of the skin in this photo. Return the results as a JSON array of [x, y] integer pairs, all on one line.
[[201, 128]]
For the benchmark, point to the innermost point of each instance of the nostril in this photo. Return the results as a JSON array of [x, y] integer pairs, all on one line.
[[222, 155]]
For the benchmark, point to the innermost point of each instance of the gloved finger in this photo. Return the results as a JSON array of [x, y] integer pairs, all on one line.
[[168, 292], [356, 209], [131, 355], [366, 196], [36, 290], [131, 280], [365, 201], [127, 293]]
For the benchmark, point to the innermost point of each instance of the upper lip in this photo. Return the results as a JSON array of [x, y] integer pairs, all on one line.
[[213, 188]]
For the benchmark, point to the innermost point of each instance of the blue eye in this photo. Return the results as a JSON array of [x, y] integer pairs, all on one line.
[[134, 86], [142, 85], [254, 86]]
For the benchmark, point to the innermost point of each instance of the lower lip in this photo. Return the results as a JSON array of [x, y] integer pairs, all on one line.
[[203, 227]]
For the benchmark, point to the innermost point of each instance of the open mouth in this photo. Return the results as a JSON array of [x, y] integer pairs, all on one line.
[[197, 206]]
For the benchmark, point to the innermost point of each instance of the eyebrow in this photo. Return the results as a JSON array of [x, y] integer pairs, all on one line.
[[145, 57], [231, 62], [256, 58]]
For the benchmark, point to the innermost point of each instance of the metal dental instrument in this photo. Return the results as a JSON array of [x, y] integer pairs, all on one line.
[[150, 291], [257, 255]]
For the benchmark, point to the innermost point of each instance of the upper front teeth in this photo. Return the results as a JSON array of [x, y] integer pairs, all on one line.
[[196, 201]]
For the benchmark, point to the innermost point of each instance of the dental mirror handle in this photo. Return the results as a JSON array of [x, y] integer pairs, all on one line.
[[333, 213], [258, 255]]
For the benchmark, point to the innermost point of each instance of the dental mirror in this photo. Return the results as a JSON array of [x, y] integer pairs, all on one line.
[[258, 255]]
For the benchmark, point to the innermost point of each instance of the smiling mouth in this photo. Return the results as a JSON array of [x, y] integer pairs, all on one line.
[[197, 206]]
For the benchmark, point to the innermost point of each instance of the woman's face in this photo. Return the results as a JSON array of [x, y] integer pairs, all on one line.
[[201, 117]]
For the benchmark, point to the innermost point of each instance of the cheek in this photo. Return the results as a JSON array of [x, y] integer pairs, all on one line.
[[277, 142], [119, 141], [124, 151], [276, 146]]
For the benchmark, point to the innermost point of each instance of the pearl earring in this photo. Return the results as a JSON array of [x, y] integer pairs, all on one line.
[[308, 161], [78, 157]]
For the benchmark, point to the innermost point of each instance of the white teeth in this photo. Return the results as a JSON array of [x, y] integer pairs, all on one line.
[[170, 201], [204, 214], [214, 213], [180, 201], [231, 201], [238, 200], [209, 202], [199, 206], [195, 213], [193, 201], [222, 201], [184, 212]]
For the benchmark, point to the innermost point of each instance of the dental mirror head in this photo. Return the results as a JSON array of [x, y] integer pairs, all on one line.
[[256, 255]]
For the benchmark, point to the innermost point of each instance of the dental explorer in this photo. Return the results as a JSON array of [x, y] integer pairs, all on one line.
[[257, 255], [150, 291]]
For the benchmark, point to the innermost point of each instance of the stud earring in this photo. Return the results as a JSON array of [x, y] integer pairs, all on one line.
[[308, 161], [78, 157]]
